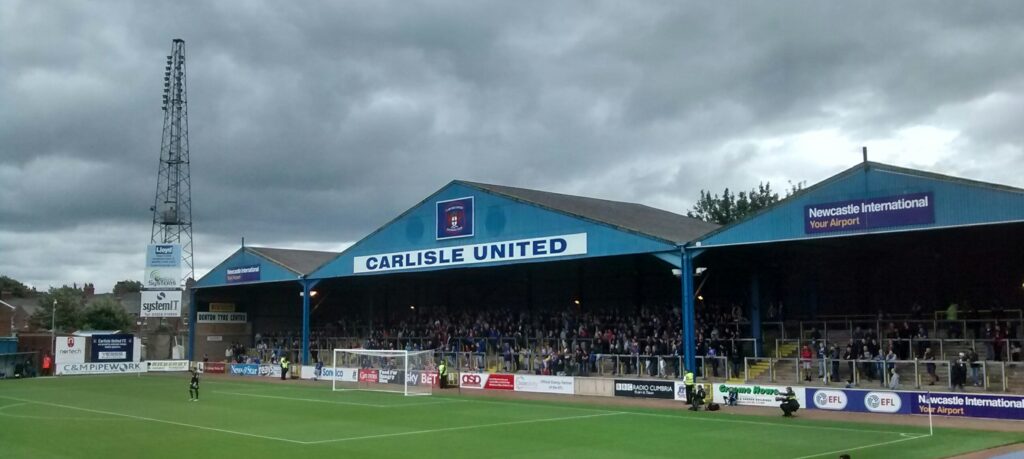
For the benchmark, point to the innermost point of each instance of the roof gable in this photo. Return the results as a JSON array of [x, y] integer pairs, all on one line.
[[503, 215], [249, 265], [953, 202], [628, 216]]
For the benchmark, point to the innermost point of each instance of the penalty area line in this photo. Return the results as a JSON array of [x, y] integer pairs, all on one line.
[[329, 402], [873, 445], [452, 429], [162, 421]]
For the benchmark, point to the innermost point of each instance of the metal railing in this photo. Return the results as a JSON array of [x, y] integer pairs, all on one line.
[[987, 375]]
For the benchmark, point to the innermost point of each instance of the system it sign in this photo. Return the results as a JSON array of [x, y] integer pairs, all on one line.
[[161, 303], [455, 218]]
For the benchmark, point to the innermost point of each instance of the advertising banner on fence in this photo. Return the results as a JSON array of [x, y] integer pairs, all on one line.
[[368, 375], [271, 370], [486, 381], [161, 303], [861, 214], [545, 384], [644, 388], [70, 349], [213, 367], [167, 365], [100, 368], [912, 402], [755, 395], [245, 369], [328, 373], [113, 348]]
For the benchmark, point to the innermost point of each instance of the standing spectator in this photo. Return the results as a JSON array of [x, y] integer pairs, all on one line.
[[833, 355], [713, 357], [958, 372], [47, 363], [822, 364], [849, 356], [989, 335], [737, 360], [929, 365], [866, 367], [951, 316], [894, 379], [284, 368], [975, 365], [805, 360]]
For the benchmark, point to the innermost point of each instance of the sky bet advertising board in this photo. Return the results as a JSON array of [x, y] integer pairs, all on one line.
[[862, 214], [112, 348]]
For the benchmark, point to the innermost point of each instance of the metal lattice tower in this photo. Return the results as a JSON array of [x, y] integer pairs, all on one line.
[[172, 209]]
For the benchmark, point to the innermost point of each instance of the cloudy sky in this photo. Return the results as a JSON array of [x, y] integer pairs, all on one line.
[[313, 123]]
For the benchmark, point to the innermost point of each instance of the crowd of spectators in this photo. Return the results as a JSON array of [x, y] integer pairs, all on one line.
[[549, 342]]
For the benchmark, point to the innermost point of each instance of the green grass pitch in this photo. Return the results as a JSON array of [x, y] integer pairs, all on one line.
[[150, 416]]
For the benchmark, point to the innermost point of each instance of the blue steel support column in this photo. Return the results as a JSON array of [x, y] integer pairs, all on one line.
[[307, 286], [193, 314], [689, 344], [755, 312]]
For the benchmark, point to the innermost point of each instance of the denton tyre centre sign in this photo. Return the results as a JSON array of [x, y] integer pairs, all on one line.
[[862, 214], [522, 249]]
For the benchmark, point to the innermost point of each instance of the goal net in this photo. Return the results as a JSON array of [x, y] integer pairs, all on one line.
[[403, 372]]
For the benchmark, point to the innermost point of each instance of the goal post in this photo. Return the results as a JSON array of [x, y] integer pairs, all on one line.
[[404, 372]]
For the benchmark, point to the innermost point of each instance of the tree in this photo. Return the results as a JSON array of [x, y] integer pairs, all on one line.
[[730, 207], [127, 286], [69, 307], [106, 314], [15, 287]]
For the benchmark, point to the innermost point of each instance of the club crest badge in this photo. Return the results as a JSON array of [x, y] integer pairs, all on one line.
[[455, 218]]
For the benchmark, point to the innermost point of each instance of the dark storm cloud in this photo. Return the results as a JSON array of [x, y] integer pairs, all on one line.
[[312, 124]]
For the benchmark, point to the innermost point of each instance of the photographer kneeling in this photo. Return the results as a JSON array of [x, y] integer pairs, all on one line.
[[789, 403], [698, 398]]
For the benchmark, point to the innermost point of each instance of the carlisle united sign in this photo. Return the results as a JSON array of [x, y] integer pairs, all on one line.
[[455, 218], [522, 249]]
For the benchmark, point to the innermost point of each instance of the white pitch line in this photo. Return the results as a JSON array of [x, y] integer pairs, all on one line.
[[329, 402], [838, 451], [759, 423], [697, 418], [162, 421], [450, 429]]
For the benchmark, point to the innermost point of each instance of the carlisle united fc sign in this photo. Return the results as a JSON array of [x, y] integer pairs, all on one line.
[[489, 252], [455, 218]]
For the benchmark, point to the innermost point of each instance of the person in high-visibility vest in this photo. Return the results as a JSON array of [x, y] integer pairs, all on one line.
[[688, 382], [442, 373], [284, 367], [47, 363]]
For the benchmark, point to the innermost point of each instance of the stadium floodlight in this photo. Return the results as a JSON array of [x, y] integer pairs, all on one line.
[[403, 372]]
